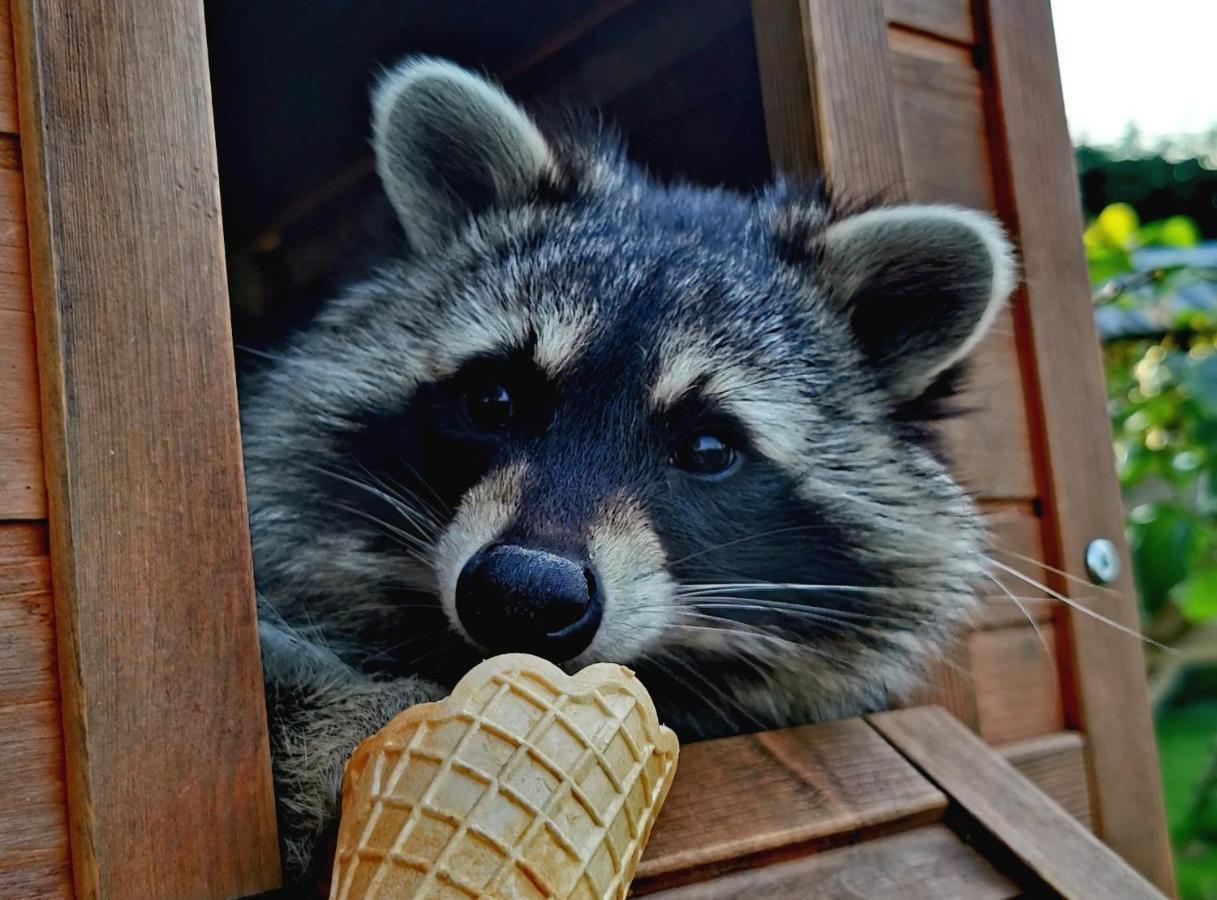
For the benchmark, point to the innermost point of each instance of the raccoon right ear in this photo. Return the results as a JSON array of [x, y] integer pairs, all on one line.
[[449, 144]]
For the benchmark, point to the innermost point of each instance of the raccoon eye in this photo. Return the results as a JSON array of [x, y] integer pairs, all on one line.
[[706, 455], [488, 406]]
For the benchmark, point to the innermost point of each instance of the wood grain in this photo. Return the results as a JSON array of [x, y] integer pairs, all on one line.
[[34, 858], [990, 444], [8, 76], [826, 88], [941, 115], [1107, 699], [926, 864], [950, 19], [949, 684], [741, 799], [1056, 763], [22, 491], [167, 761], [1018, 689], [1051, 843], [27, 632], [1015, 539]]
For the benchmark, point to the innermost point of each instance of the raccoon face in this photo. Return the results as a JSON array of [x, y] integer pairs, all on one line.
[[597, 418]]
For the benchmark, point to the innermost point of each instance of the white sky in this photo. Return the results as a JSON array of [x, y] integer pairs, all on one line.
[[1151, 62]]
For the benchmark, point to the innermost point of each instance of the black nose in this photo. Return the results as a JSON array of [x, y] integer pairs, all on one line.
[[512, 598]]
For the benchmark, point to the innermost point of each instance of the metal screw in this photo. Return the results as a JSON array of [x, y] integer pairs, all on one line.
[[1102, 561]]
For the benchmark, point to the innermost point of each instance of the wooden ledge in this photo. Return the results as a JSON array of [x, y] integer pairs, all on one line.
[[907, 803]]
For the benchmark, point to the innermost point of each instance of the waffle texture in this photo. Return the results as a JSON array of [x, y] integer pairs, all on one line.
[[525, 783]]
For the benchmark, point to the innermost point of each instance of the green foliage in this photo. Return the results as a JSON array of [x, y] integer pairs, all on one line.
[[1162, 390], [1162, 394]]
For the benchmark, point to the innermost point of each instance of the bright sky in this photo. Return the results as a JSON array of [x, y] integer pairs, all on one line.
[[1151, 62]]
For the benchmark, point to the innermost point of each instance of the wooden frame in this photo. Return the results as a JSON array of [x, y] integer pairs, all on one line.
[[167, 760], [827, 82], [158, 750]]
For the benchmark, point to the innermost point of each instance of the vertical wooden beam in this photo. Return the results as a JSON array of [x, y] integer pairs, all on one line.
[[826, 86], [169, 785], [1038, 193]]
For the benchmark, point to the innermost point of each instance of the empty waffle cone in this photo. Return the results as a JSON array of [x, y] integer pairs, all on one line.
[[526, 782]]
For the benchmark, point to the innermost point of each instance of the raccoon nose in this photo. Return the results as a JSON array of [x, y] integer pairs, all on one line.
[[513, 598]]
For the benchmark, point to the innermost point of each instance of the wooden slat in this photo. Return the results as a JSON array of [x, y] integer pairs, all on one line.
[[926, 864], [8, 77], [27, 635], [34, 859], [167, 758], [1051, 843], [950, 19], [941, 115], [826, 87], [14, 243], [1018, 690], [990, 444], [949, 684], [1108, 699], [739, 799], [1015, 539], [1056, 763], [22, 491]]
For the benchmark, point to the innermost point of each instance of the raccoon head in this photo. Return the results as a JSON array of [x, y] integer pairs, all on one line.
[[595, 417]]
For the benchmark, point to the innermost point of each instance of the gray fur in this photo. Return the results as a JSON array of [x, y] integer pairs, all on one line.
[[631, 299]]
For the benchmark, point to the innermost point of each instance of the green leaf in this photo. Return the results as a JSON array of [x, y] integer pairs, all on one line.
[[1197, 597], [1164, 541], [1119, 223], [1179, 231]]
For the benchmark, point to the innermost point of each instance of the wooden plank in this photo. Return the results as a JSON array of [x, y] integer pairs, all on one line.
[[1018, 689], [990, 444], [949, 684], [22, 540], [22, 495], [8, 75], [1107, 696], [34, 858], [950, 19], [1056, 763], [1051, 843], [14, 242], [940, 111], [167, 757], [926, 864], [826, 88], [27, 632], [740, 799], [1015, 539]]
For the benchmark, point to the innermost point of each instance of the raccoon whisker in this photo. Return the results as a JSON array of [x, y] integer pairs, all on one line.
[[1055, 571], [445, 637], [712, 600], [1023, 609], [752, 537], [1073, 604], [410, 542], [737, 630], [821, 615], [713, 587], [442, 506], [726, 697], [418, 505], [423, 524]]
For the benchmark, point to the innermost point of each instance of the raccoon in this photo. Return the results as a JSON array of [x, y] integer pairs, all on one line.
[[595, 417]]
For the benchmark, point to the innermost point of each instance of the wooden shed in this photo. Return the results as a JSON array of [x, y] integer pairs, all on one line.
[[133, 751]]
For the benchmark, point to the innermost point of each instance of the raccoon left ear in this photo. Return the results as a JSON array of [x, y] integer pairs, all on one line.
[[920, 284], [450, 144]]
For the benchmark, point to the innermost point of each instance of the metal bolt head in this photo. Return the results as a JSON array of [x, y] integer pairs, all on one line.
[[1102, 561]]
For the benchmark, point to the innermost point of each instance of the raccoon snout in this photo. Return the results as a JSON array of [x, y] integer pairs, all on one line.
[[513, 598]]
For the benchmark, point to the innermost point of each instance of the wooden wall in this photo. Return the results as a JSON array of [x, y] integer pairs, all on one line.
[[959, 101], [34, 854]]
